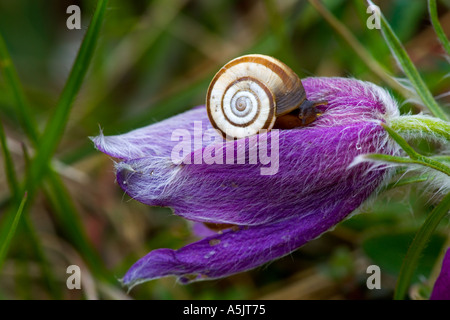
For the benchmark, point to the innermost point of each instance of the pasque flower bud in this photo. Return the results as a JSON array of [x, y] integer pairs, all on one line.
[[253, 218]]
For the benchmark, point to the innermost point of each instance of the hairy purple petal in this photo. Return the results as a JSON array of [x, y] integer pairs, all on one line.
[[152, 140], [312, 187], [349, 101], [238, 250], [441, 290], [312, 174]]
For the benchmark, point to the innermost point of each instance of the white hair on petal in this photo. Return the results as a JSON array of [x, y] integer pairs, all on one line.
[[343, 112]]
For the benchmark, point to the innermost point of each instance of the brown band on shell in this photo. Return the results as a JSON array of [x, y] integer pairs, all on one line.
[[293, 92], [282, 70], [287, 100]]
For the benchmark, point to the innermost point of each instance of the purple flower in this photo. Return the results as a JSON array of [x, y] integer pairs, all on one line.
[[441, 290], [261, 210]]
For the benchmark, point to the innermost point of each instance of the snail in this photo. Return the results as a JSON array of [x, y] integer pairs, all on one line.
[[256, 92]]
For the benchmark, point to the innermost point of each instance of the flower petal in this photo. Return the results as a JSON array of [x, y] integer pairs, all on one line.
[[313, 173], [303, 185], [201, 230], [236, 250], [441, 290], [349, 101], [153, 140]]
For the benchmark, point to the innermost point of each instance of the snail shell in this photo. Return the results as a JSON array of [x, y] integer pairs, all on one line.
[[253, 92]]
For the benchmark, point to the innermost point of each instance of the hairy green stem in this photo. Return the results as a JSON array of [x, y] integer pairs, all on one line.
[[420, 125], [418, 245], [423, 161], [415, 157]]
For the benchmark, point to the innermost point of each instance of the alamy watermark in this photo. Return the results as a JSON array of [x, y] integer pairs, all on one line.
[[74, 20], [374, 280], [74, 280], [373, 22], [250, 150]]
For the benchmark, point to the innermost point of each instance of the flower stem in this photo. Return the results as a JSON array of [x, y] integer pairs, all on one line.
[[418, 245], [423, 161], [420, 125], [415, 157]]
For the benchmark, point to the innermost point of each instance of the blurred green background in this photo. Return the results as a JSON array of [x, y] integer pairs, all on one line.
[[155, 59]]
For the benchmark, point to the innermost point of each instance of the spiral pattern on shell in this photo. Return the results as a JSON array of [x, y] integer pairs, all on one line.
[[249, 92]]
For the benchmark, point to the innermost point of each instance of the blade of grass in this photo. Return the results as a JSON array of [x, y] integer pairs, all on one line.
[[56, 125], [52, 284], [62, 202], [11, 77], [358, 48], [442, 158], [11, 230], [67, 215], [408, 68], [437, 26], [35, 242], [132, 48], [52, 134], [417, 246], [30, 233], [8, 163]]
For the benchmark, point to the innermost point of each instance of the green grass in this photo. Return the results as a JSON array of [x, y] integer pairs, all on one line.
[[437, 26], [11, 227], [418, 245], [55, 126], [46, 144], [410, 70]]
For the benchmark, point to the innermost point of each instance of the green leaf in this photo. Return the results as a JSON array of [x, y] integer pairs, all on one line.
[[400, 54], [437, 26], [423, 161], [64, 208], [56, 125], [10, 230], [416, 158], [9, 166], [12, 80], [401, 142]]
